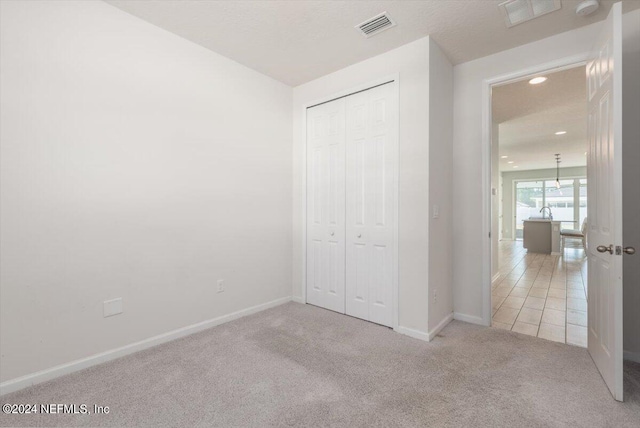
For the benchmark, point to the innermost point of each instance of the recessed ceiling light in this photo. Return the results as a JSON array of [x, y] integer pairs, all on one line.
[[510, 162], [561, 132], [585, 153], [504, 157], [515, 166], [537, 80]]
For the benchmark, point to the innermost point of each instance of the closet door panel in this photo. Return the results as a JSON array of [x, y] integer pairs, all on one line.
[[370, 140], [325, 206], [357, 251]]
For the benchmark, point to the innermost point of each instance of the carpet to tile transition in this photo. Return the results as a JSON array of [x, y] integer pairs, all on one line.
[[298, 365]]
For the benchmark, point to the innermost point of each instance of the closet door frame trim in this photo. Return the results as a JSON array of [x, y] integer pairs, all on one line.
[[395, 78]]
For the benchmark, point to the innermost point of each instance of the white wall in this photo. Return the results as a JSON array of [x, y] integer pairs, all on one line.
[[631, 177], [508, 179], [411, 61], [468, 234], [440, 185], [135, 164]]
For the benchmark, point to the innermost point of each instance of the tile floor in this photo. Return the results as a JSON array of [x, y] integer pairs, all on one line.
[[542, 295]]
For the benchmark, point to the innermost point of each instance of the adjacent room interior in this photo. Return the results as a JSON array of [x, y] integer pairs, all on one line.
[[540, 161]]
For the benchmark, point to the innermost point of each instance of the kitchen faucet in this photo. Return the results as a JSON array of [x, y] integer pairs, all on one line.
[[542, 210]]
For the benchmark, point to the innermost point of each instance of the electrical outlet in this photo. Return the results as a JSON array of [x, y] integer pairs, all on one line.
[[220, 285], [435, 296], [436, 211], [112, 307]]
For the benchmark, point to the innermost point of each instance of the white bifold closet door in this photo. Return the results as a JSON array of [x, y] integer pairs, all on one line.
[[370, 134], [350, 209], [325, 205]]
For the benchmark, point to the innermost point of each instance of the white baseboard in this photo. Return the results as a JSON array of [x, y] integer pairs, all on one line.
[[556, 253], [442, 324], [73, 366], [298, 299], [632, 356], [416, 334], [468, 318]]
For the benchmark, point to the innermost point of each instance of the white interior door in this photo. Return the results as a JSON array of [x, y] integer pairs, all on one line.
[[604, 89], [370, 143], [326, 205]]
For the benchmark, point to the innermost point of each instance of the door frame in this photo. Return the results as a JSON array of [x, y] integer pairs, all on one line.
[[395, 78], [548, 67]]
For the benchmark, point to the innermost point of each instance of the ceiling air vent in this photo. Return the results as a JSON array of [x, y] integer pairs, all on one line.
[[518, 11], [376, 24]]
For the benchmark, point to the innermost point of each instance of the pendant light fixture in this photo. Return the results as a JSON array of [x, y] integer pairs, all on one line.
[[558, 170]]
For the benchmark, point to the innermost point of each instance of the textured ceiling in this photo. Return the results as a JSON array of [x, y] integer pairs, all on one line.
[[298, 41], [530, 115]]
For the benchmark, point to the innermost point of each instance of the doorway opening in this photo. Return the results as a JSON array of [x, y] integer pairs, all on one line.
[[539, 205]]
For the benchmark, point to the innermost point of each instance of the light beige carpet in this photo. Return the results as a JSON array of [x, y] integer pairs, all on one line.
[[298, 365]]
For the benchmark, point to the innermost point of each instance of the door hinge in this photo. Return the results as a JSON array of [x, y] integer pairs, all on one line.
[[618, 250]]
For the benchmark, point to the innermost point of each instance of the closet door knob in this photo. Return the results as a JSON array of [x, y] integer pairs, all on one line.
[[332, 233], [359, 235]]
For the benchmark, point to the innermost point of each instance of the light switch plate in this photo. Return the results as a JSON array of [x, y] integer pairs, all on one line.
[[112, 307]]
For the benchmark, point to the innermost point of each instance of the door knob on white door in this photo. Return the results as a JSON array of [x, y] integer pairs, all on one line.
[[332, 233], [629, 250], [603, 249], [359, 235]]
